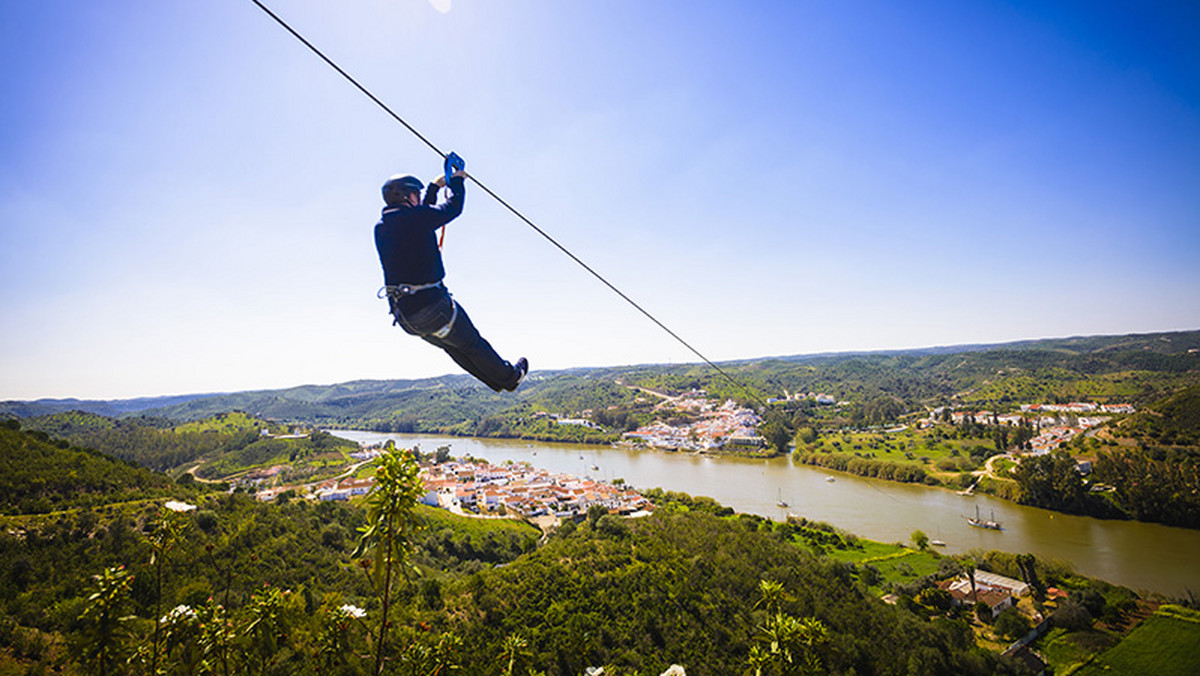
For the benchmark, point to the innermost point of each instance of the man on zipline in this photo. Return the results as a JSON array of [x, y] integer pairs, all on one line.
[[412, 272]]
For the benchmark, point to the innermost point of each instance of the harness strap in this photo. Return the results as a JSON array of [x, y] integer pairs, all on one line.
[[453, 163], [445, 330], [401, 290]]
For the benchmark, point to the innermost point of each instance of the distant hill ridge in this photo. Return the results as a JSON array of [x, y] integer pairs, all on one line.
[[456, 402], [113, 408]]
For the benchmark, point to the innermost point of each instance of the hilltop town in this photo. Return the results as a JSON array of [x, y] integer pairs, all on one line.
[[469, 487], [1056, 424], [711, 426], [521, 489]]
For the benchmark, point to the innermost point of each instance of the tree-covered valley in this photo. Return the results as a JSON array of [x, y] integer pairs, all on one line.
[[101, 577], [885, 415]]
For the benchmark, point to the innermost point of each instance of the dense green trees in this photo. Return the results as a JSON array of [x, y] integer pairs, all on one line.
[[38, 475], [1011, 624], [272, 589], [1053, 481], [1159, 485], [1159, 478], [241, 561], [682, 587], [216, 447], [143, 441], [877, 410], [778, 433]]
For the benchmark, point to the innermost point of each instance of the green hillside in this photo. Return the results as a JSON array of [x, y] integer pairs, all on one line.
[[228, 423], [1174, 421], [1152, 460], [38, 475], [214, 447], [681, 588]]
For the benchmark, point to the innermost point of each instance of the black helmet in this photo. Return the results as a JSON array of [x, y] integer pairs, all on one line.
[[396, 187]]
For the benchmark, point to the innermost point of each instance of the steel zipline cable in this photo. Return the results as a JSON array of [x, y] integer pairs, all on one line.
[[506, 205]]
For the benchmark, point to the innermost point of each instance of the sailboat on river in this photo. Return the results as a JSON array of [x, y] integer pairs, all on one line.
[[978, 522]]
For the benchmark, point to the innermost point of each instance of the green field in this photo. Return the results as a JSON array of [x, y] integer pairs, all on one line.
[[1004, 467], [871, 551], [1063, 649], [922, 447], [1165, 645], [943, 452], [896, 564], [476, 527], [227, 423], [367, 470]]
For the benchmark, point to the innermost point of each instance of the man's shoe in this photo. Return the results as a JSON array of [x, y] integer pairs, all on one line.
[[522, 367]]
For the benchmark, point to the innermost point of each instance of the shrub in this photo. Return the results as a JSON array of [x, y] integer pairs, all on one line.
[[1012, 624]]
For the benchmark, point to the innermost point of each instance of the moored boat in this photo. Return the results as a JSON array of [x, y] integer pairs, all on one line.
[[979, 522]]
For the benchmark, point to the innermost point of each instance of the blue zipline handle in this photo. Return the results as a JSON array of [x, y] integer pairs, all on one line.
[[453, 163]]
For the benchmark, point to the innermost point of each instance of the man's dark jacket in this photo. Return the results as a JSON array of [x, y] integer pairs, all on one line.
[[406, 237]]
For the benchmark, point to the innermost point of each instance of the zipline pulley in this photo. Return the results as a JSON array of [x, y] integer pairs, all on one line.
[[453, 163]]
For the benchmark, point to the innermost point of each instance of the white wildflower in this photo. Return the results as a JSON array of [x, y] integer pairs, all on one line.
[[177, 506], [180, 613], [353, 611]]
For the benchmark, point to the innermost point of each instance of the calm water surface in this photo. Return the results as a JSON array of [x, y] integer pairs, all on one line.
[[1138, 555]]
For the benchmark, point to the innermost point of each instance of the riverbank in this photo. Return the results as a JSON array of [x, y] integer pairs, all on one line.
[[761, 454], [612, 440], [1056, 483]]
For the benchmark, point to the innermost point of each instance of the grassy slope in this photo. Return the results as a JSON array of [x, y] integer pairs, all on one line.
[[227, 423], [1164, 645]]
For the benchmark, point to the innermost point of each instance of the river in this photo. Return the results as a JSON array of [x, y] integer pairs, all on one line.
[[1142, 556]]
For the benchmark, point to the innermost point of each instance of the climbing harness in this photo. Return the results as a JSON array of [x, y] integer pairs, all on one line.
[[448, 157], [395, 293]]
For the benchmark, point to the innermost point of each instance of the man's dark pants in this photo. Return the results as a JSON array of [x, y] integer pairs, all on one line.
[[427, 312]]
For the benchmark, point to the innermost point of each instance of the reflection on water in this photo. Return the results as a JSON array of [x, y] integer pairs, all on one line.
[[1138, 555]]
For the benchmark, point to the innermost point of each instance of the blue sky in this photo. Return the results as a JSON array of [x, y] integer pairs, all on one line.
[[187, 194]]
